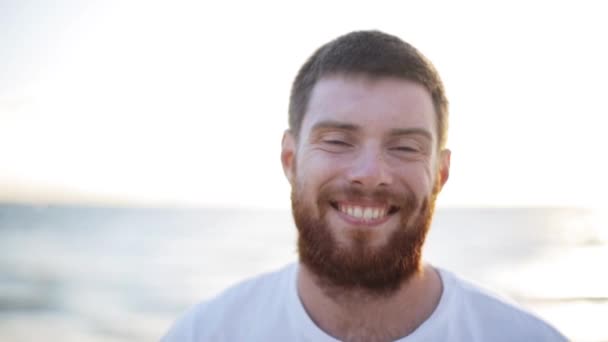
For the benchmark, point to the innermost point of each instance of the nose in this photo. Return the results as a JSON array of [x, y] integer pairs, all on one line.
[[369, 169]]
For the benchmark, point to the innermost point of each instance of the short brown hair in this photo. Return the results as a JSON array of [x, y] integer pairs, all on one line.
[[370, 53]]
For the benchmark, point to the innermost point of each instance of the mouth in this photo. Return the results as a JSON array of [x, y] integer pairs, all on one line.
[[364, 213]]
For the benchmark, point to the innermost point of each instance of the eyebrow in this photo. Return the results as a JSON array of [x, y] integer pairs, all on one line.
[[412, 131], [335, 125], [329, 124]]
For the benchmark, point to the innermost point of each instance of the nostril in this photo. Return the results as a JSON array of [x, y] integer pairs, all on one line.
[[370, 170]]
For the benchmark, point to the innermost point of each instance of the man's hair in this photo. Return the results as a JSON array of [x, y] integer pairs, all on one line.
[[373, 54]]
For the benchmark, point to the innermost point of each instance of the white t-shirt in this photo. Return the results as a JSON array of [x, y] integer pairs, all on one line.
[[268, 308]]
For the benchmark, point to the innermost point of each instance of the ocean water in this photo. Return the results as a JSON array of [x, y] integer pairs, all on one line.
[[102, 274]]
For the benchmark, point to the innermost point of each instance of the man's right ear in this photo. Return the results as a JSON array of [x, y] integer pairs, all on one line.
[[288, 152]]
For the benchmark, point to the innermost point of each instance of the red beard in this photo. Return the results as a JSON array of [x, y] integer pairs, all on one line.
[[379, 270]]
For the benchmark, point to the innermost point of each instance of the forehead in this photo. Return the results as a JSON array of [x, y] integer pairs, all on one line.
[[378, 104]]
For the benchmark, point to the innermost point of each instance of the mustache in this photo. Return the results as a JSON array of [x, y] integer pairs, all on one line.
[[402, 199]]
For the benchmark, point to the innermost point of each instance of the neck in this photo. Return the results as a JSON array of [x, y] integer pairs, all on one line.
[[358, 315]]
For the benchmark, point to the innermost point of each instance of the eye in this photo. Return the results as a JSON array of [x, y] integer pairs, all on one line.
[[334, 145], [337, 142], [404, 149]]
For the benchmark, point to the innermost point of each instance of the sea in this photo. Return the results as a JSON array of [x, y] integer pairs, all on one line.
[[76, 273]]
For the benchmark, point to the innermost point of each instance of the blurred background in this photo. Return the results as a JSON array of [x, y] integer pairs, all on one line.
[[140, 141]]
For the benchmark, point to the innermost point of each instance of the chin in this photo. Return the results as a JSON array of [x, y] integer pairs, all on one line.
[[347, 248]]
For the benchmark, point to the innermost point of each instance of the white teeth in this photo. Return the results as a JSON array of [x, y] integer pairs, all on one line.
[[358, 212], [365, 213]]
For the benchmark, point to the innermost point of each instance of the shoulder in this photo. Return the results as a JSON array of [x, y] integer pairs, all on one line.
[[236, 307], [494, 317], [264, 289]]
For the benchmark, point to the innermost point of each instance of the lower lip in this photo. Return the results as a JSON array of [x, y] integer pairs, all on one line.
[[362, 223]]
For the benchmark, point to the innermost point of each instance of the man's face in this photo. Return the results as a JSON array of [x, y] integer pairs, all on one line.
[[364, 175]]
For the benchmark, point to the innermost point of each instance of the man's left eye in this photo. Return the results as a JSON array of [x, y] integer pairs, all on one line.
[[404, 149]]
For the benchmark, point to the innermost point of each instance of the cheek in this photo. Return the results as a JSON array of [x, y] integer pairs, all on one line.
[[317, 167], [419, 177], [313, 173]]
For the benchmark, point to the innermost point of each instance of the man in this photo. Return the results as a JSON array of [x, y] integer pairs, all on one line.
[[365, 156]]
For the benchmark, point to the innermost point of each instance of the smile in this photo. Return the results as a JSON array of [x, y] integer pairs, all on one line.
[[365, 213]]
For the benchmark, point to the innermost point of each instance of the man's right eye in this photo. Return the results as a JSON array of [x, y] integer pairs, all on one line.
[[337, 142], [336, 145]]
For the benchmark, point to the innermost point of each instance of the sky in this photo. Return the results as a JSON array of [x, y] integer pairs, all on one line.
[[181, 103]]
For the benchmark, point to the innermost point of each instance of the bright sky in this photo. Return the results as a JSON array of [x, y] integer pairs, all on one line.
[[184, 103]]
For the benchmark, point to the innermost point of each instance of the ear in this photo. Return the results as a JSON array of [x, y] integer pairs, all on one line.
[[288, 152], [444, 167]]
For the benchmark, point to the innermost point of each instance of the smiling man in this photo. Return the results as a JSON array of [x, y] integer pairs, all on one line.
[[365, 156]]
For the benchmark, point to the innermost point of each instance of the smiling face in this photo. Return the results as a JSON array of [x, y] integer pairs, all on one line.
[[364, 175]]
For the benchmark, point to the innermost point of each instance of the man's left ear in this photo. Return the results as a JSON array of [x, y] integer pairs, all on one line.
[[444, 166]]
